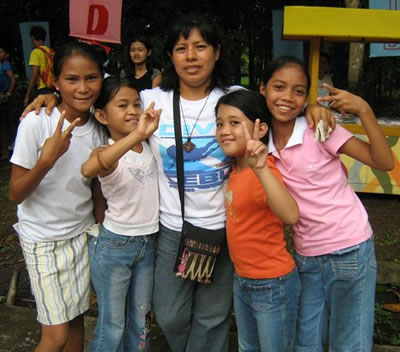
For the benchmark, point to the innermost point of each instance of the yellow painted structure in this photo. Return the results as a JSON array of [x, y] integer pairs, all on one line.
[[349, 25], [341, 24]]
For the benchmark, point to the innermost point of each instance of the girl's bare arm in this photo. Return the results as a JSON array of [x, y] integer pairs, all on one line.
[[376, 152], [103, 161], [280, 201]]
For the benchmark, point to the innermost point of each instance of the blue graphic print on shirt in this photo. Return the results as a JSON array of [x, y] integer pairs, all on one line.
[[206, 166]]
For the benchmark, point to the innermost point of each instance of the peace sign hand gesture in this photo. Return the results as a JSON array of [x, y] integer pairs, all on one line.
[[56, 145], [344, 101], [257, 151], [148, 121]]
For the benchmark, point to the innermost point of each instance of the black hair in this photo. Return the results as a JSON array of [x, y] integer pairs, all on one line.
[[108, 66], [102, 53], [211, 34], [75, 47], [250, 103], [38, 33], [282, 61], [111, 86], [129, 65]]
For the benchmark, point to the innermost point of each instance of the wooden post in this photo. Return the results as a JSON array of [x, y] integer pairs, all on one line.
[[313, 67]]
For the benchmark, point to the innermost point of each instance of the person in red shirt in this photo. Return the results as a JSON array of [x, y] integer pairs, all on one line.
[[266, 284]]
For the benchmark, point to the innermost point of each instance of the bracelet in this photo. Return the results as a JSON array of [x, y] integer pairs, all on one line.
[[101, 161]]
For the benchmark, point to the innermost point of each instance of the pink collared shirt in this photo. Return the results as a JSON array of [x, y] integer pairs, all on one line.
[[331, 215]]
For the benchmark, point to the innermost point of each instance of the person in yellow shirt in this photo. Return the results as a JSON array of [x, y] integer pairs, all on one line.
[[38, 63]]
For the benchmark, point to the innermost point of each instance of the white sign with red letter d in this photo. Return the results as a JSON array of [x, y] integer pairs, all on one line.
[[96, 19]]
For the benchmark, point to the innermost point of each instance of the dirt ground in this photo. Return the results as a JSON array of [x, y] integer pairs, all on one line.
[[384, 216]]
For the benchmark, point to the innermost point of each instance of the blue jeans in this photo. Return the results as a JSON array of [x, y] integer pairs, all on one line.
[[194, 317], [337, 301], [266, 312], [122, 269]]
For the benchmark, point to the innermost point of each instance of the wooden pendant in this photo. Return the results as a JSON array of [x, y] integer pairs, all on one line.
[[188, 146]]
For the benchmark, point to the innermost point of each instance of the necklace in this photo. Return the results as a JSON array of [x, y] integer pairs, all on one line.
[[188, 146]]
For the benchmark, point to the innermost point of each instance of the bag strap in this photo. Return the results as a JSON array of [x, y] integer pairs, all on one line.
[[179, 168], [179, 151], [44, 51]]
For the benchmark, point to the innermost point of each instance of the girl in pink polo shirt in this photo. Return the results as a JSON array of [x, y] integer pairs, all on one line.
[[335, 252]]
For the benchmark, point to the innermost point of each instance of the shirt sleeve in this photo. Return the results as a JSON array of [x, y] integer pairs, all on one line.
[[28, 142], [338, 137], [147, 96], [34, 59]]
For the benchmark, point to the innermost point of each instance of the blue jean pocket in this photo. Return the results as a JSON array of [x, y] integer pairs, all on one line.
[[111, 240], [345, 266], [92, 244], [300, 261], [258, 295]]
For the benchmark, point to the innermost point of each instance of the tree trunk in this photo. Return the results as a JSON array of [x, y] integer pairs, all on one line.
[[356, 55]]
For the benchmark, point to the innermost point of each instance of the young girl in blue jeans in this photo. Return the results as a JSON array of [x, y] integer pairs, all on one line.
[[122, 256], [266, 283], [55, 201], [333, 239]]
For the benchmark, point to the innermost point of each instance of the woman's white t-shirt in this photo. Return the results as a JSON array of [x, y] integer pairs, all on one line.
[[206, 167]]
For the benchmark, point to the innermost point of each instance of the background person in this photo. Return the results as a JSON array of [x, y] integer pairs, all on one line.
[[138, 64], [39, 63], [7, 84]]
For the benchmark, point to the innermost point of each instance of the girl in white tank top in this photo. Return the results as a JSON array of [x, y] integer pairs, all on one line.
[[122, 256]]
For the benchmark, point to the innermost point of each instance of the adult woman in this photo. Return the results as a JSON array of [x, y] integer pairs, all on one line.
[[193, 316], [138, 66]]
